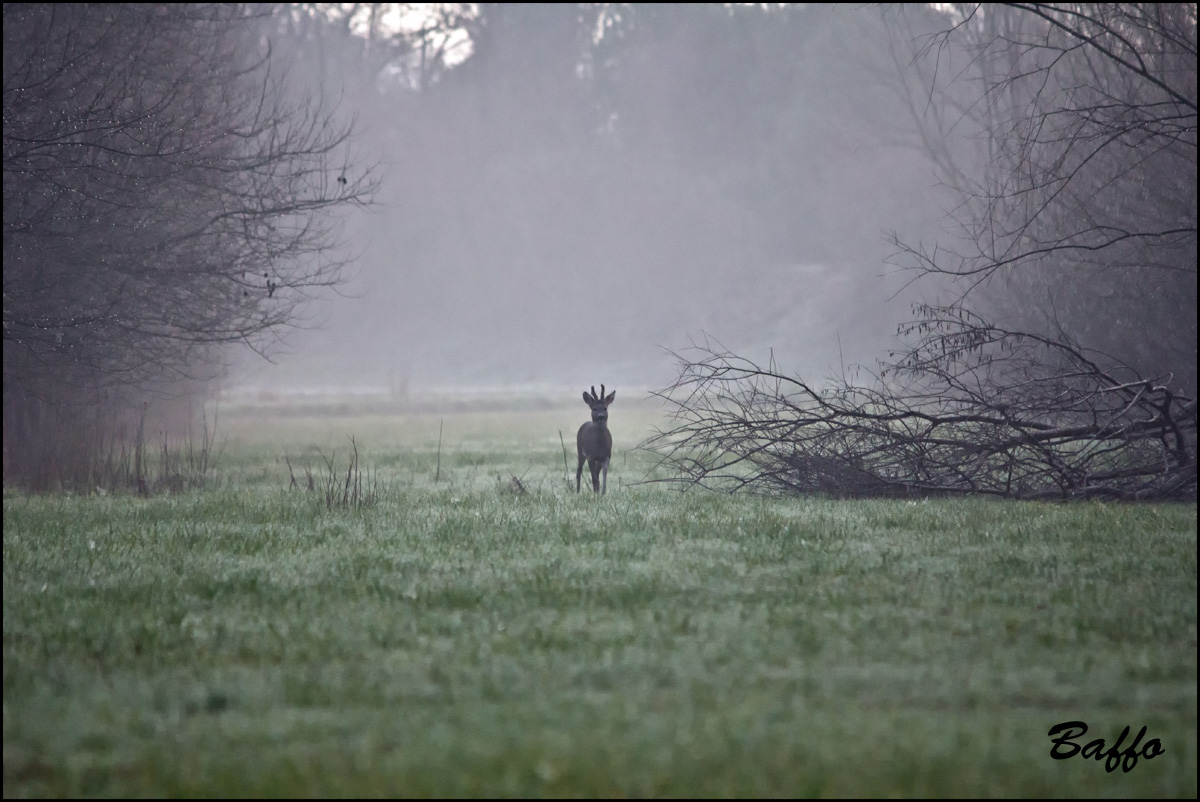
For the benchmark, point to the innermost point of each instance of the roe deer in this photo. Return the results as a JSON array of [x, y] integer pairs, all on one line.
[[594, 440]]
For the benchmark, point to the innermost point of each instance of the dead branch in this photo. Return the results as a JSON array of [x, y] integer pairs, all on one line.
[[970, 409]]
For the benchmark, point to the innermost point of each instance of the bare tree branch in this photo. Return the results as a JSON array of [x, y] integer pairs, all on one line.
[[970, 409]]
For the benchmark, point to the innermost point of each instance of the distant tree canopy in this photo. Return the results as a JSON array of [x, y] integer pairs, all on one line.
[[605, 156], [163, 196]]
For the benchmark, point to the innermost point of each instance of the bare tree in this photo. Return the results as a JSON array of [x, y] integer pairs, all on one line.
[[1077, 207], [164, 195]]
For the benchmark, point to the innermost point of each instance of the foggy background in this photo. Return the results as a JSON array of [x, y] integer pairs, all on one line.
[[417, 201], [567, 190]]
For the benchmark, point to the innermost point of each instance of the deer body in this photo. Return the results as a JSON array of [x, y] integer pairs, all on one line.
[[594, 440]]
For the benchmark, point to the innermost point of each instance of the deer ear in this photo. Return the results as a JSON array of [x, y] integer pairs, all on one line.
[[586, 400], [610, 398]]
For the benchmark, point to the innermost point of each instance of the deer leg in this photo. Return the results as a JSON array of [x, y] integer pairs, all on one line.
[[578, 473], [605, 490]]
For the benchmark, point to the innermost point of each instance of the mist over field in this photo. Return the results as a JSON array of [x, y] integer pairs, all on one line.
[[577, 188]]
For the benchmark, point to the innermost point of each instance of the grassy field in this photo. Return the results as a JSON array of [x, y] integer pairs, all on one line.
[[459, 636]]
